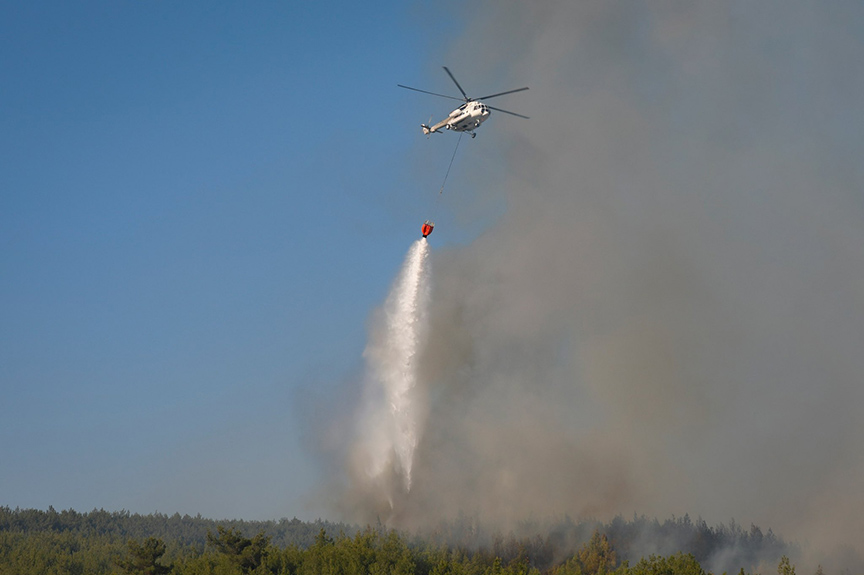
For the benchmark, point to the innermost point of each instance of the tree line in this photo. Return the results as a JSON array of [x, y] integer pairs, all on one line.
[[101, 542], [184, 530]]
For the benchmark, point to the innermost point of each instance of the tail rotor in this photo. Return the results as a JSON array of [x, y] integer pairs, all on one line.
[[426, 129]]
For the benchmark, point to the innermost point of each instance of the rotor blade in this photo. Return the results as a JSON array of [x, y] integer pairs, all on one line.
[[506, 112], [467, 99], [502, 93], [425, 92]]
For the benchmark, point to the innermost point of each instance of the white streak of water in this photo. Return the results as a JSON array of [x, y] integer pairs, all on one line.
[[392, 422]]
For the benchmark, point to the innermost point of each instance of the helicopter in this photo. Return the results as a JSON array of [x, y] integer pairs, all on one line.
[[468, 116]]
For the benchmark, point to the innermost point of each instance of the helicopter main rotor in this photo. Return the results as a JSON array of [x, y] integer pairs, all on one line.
[[465, 97]]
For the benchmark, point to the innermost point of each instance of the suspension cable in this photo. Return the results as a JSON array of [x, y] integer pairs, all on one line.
[[451, 162]]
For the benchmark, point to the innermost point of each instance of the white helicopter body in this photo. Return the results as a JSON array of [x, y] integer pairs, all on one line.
[[465, 118]]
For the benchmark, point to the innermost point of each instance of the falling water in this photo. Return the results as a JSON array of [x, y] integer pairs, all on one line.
[[392, 421]]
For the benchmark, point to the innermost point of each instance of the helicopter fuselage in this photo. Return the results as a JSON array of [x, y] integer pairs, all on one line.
[[465, 118]]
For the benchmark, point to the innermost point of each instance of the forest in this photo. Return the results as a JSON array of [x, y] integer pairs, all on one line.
[[101, 542]]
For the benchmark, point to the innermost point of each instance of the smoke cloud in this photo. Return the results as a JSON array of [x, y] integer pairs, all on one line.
[[669, 317]]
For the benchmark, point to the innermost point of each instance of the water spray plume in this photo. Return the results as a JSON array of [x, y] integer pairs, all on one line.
[[388, 430]]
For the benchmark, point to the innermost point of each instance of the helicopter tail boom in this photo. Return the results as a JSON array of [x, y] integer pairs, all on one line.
[[436, 129]]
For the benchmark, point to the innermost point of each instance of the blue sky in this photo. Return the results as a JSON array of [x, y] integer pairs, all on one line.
[[200, 204]]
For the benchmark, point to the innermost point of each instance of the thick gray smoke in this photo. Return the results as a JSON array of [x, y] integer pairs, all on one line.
[[669, 318]]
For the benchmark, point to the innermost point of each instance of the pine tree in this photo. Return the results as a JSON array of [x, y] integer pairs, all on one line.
[[785, 567], [246, 553], [142, 559]]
